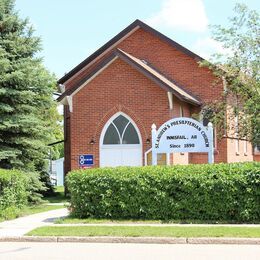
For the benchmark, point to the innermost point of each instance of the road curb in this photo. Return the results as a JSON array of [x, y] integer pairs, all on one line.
[[139, 240], [28, 239], [223, 240]]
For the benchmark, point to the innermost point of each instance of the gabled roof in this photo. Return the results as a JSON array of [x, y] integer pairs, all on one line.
[[153, 74], [143, 67], [123, 34]]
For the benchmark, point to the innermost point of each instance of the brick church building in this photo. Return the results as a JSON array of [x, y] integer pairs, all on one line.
[[138, 78]]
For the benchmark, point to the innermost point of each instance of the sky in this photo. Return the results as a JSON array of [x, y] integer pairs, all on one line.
[[71, 30]]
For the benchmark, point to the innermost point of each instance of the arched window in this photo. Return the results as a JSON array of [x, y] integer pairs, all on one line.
[[121, 131]]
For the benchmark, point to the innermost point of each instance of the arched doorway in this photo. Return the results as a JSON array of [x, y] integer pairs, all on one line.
[[120, 142]]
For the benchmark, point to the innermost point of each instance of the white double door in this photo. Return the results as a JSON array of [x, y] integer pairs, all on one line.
[[121, 155]]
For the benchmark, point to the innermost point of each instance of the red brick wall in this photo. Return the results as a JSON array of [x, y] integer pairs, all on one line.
[[117, 88], [170, 61], [173, 63], [121, 88], [257, 157], [220, 154]]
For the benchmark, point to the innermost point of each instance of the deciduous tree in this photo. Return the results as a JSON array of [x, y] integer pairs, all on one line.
[[240, 72]]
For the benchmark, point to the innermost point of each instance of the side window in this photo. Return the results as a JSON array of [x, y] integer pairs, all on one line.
[[181, 111], [236, 136], [161, 158], [257, 149]]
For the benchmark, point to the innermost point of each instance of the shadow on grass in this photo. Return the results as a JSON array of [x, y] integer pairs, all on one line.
[[59, 196], [74, 220]]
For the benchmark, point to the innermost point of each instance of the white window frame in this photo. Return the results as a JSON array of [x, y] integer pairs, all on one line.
[[145, 156]]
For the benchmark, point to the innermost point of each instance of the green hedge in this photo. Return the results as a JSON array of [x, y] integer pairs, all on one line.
[[203, 192], [17, 189], [13, 191]]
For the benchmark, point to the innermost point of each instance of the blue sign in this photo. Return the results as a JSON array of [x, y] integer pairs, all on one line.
[[86, 160]]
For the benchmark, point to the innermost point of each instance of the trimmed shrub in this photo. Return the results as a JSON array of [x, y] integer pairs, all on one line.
[[219, 192]]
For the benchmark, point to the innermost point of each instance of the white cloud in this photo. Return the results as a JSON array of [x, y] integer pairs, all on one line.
[[207, 46], [189, 15]]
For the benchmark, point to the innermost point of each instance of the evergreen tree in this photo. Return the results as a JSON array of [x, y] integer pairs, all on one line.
[[28, 115]]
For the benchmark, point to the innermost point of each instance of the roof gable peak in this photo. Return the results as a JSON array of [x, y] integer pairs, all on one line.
[[144, 68], [119, 37]]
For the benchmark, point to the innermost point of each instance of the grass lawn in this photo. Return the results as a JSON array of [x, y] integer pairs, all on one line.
[[72, 220], [146, 231], [59, 196], [38, 209], [28, 210]]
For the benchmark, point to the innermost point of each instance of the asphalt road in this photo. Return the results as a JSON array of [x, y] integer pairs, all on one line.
[[89, 251]]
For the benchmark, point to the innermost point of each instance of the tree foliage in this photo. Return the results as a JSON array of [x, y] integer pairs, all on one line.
[[28, 115], [239, 68]]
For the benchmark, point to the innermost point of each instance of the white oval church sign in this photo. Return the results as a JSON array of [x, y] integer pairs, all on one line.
[[182, 135]]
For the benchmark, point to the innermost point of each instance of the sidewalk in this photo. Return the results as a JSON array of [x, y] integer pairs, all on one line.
[[20, 226], [14, 231]]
